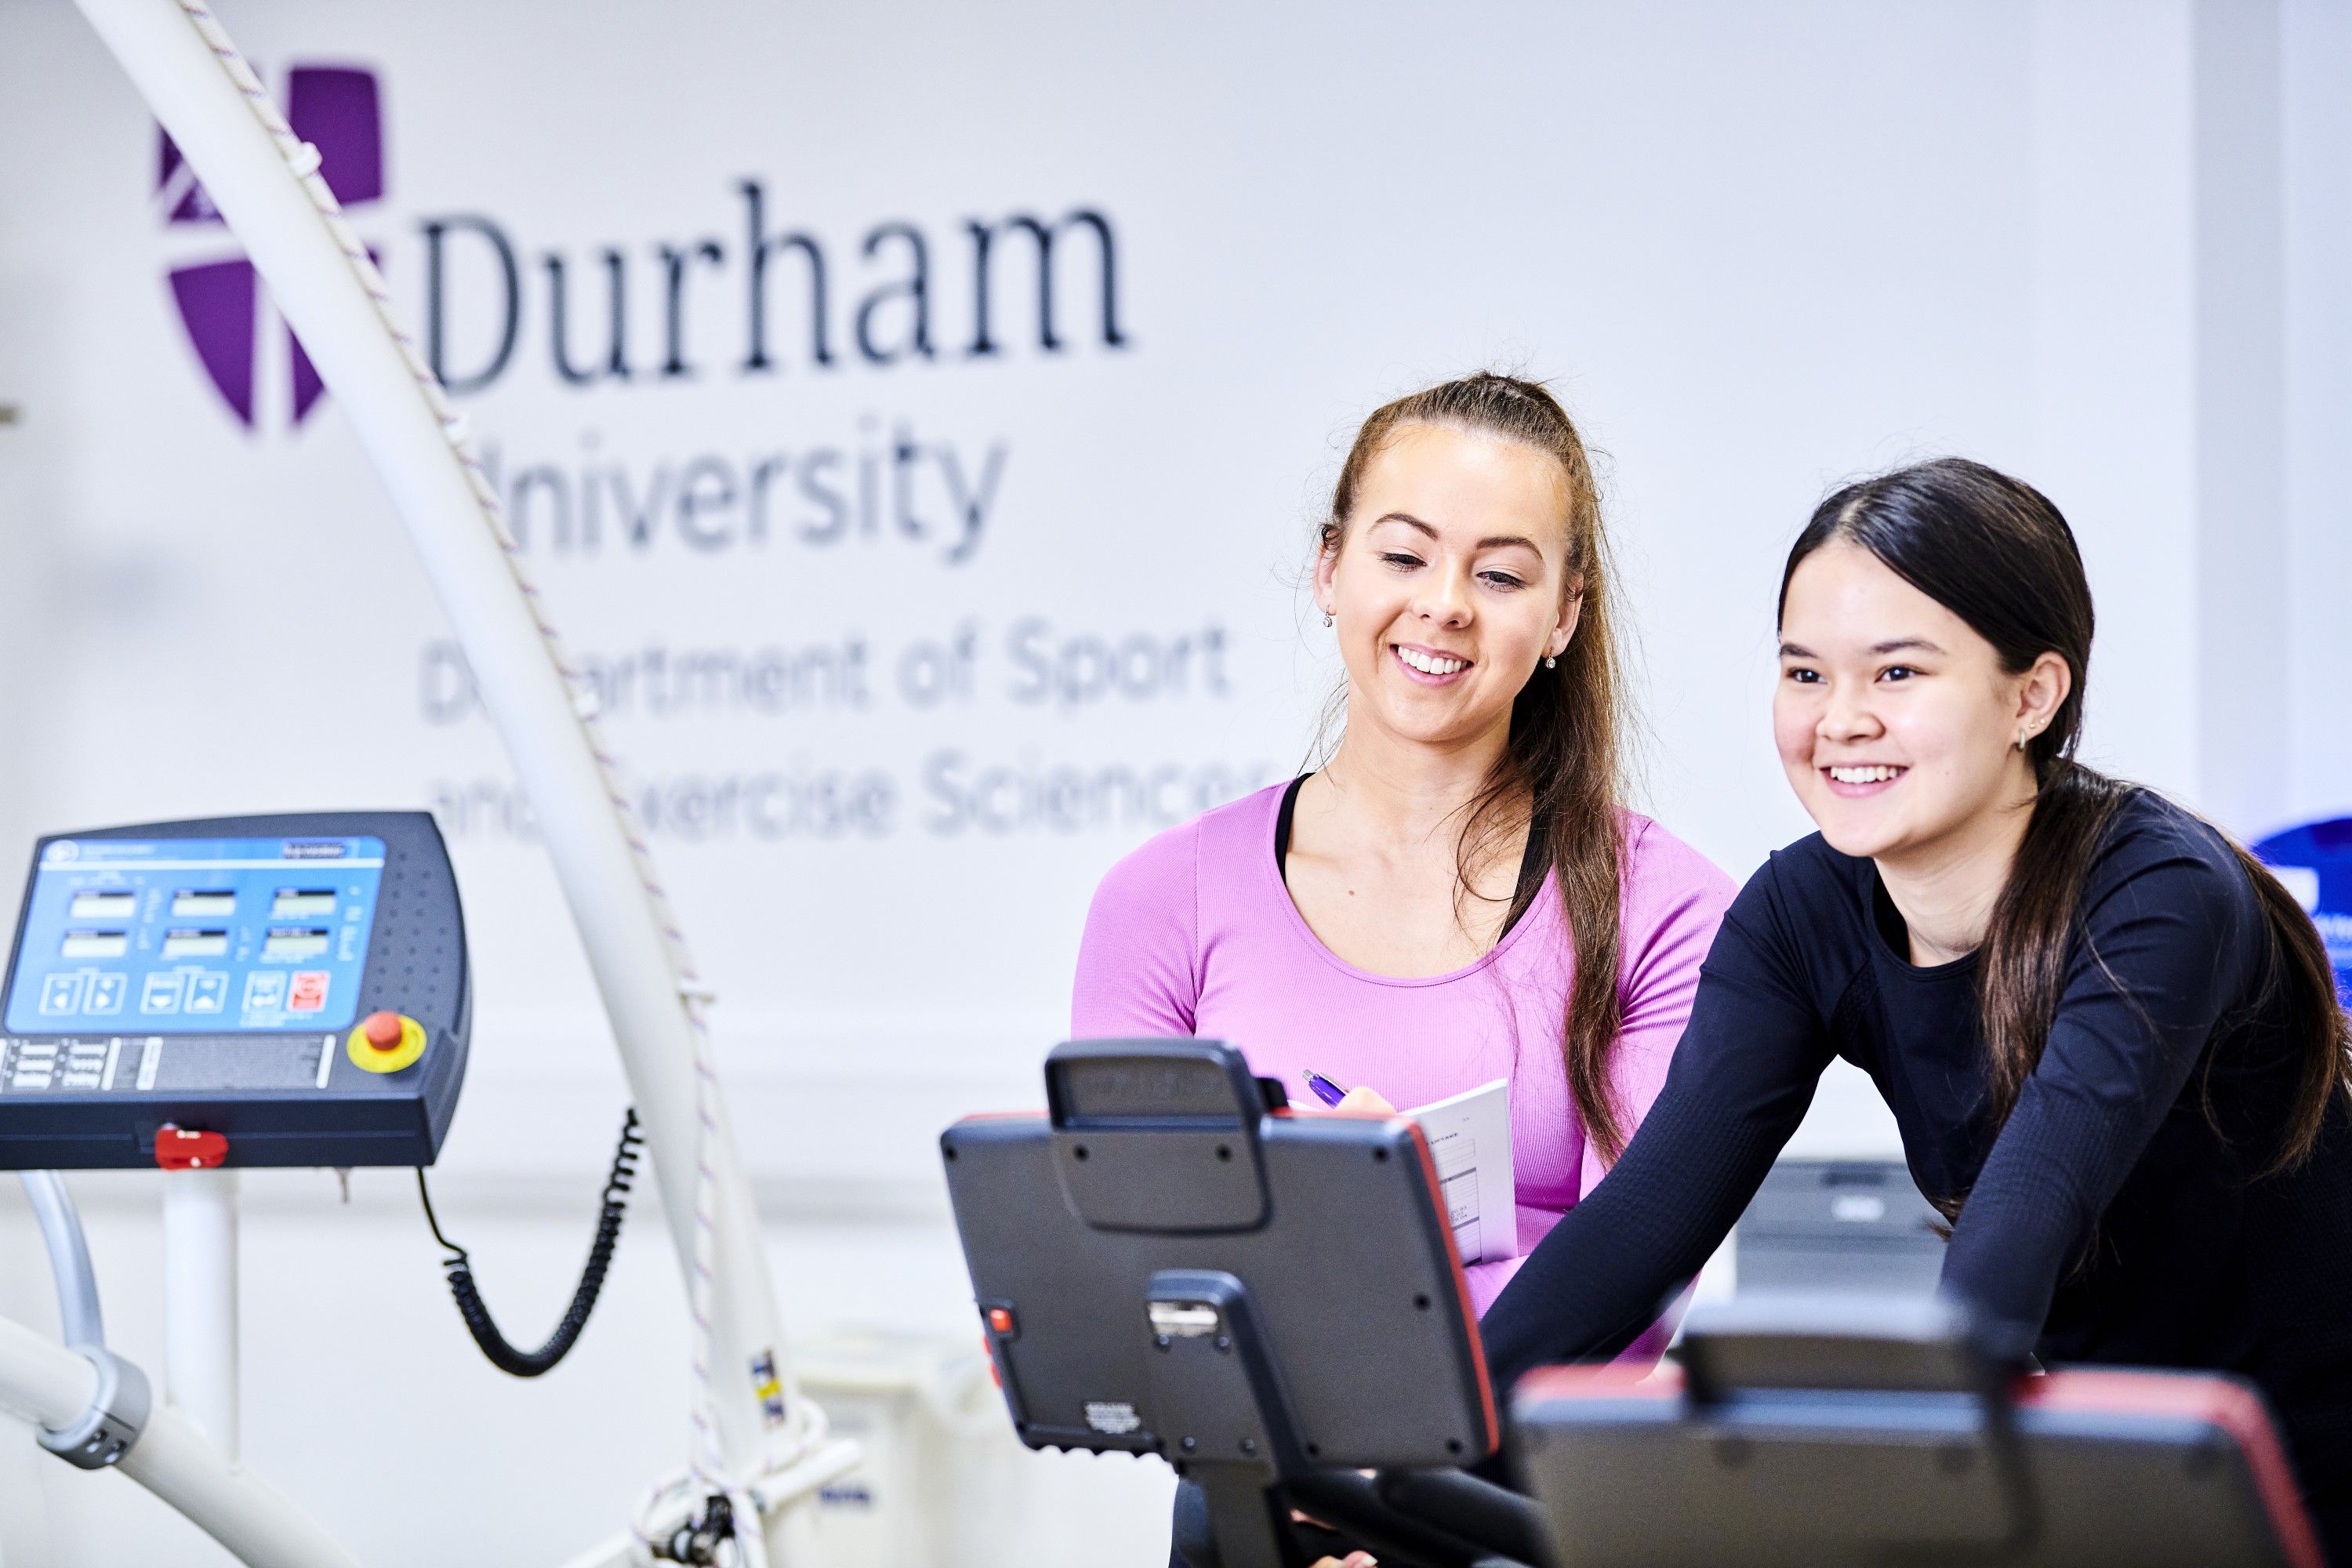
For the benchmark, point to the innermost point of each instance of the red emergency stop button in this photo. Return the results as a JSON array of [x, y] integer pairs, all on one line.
[[384, 1043], [189, 1149]]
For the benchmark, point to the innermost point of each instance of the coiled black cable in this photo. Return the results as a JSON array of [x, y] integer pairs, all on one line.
[[477, 1312]]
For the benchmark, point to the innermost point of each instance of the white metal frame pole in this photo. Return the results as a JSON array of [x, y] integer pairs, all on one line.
[[52, 1386], [200, 1307], [279, 209]]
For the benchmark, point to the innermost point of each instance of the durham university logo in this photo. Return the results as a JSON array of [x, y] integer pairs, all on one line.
[[339, 110]]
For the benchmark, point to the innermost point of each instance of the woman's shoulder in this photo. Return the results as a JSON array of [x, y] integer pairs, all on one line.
[[1806, 880], [1806, 898], [2151, 825], [1664, 873], [2158, 848], [1806, 886], [1139, 962], [1653, 851], [1139, 969], [1672, 905], [1172, 864]]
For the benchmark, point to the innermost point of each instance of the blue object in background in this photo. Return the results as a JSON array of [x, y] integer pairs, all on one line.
[[2315, 861]]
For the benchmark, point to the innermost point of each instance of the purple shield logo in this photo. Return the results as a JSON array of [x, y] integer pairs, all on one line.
[[339, 110]]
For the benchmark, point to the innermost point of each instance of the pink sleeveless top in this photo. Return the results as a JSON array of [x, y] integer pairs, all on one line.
[[1194, 933]]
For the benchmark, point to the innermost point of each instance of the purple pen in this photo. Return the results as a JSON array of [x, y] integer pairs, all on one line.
[[1327, 1092]]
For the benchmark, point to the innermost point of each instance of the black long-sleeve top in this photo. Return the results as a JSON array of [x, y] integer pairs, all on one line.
[[2116, 1217]]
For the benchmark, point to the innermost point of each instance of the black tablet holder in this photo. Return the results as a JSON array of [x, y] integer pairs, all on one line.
[[1154, 1262], [1168, 1142]]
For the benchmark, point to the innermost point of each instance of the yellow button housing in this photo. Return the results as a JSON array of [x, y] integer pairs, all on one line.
[[366, 1056]]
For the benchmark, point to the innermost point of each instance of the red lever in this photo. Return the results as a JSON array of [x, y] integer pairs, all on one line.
[[186, 1149]]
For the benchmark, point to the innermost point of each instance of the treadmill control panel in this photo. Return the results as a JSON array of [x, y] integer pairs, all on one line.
[[192, 936], [231, 976]]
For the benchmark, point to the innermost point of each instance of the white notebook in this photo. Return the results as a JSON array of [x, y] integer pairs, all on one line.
[[1470, 1138]]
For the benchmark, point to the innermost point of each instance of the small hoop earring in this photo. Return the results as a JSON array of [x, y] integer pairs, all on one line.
[[1326, 617], [2023, 736], [1552, 661]]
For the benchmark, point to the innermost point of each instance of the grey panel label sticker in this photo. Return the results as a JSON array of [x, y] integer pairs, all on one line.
[[1115, 1417]]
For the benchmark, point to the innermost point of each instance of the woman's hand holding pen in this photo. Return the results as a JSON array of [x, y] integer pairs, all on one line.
[[1359, 1100]]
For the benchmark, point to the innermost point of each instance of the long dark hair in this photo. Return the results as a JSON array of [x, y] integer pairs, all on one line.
[[1560, 770], [1994, 551]]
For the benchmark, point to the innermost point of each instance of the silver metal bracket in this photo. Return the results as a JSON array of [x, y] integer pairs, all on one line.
[[117, 1414]]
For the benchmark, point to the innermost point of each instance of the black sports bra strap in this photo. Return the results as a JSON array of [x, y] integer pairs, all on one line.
[[1282, 824]]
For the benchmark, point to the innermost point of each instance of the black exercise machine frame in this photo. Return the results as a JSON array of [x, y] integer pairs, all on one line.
[[1130, 1244]]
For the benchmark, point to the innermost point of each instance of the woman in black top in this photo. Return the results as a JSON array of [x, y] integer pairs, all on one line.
[[2111, 1039]]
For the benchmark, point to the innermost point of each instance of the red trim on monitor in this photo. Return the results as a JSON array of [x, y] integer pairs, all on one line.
[[1461, 1281], [2236, 1409]]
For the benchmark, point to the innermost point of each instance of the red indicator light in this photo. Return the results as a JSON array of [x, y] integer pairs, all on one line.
[[1001, 1320]]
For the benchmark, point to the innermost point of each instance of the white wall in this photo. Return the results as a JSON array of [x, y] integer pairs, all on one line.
[[1761, 248], [2316, 54]]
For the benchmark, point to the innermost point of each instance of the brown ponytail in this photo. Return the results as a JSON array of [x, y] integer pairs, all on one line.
[[1560, 770], [1996, 553]]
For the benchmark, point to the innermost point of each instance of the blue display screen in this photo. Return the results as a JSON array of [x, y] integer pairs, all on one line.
[[182, 936]]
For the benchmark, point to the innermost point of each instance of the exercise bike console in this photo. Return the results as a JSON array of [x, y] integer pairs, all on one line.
[[1152, 1262]]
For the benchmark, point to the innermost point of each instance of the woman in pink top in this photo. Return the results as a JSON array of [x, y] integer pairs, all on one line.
[[1458, 895]]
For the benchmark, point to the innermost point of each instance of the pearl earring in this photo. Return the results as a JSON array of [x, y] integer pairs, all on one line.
[[1326, 617], [1552, 661]]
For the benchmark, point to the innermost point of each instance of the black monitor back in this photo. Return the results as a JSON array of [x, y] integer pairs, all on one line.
[[1869, 1435], [1158, 1171]]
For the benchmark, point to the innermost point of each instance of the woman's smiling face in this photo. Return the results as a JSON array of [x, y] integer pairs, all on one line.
[[1895, 721], [1448, 583]]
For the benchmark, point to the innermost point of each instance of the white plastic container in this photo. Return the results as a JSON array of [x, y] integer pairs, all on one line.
[[941, 1467], [945, 1484]]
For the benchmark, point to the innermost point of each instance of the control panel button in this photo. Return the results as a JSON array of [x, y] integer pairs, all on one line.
[[207, 991], [308, 991], [163, 992], [62, 993], [386, 1042], [265, 991]]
